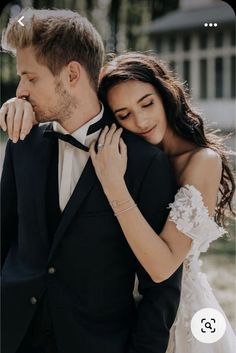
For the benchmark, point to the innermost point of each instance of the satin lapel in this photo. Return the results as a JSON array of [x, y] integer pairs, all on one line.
[[43, 155], [82, 189]]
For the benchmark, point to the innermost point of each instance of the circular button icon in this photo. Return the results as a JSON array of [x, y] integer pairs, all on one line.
[[208, 325]]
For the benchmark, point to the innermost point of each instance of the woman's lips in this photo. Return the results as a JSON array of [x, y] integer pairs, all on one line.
[[146, 132]]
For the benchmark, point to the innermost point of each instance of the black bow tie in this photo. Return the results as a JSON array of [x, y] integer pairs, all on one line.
[[54, 135]]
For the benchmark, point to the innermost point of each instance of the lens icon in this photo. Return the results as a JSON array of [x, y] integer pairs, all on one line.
[[208, 325]]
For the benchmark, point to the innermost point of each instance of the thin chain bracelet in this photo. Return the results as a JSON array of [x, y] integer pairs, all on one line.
[[126, 209], [117, 203]]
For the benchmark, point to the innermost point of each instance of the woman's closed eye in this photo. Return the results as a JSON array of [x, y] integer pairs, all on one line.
[[148, 104], [123, 116]]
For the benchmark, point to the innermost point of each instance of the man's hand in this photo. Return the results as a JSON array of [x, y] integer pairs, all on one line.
[[17, 118]]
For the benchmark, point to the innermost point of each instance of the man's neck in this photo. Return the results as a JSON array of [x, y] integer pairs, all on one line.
[[81, 115]]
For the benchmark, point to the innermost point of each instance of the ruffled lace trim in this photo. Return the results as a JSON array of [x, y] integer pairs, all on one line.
[[192, 218]]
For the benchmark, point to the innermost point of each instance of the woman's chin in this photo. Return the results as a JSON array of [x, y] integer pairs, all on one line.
[[154, 140]]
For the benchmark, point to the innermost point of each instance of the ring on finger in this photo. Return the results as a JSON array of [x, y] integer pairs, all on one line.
[[100, 145]]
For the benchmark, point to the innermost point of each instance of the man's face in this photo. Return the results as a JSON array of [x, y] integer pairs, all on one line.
[[47, 93]]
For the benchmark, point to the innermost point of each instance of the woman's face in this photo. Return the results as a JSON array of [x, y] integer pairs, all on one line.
[[139, 109]]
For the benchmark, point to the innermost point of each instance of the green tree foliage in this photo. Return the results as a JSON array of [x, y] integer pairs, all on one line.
[[120, 23]]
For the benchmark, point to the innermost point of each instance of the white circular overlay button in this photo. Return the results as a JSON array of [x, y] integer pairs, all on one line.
[[208, 325]]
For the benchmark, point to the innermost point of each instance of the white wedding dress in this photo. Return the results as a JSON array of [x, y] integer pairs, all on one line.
[[192, 218]]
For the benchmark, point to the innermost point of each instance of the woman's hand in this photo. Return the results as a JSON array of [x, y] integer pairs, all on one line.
[[17, 118], [110, 161]]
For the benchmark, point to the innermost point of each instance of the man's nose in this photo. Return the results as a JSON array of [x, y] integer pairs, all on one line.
[[22, 90]]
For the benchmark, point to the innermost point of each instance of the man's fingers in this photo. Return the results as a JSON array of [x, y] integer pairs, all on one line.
[[3, 113], [10, 119]]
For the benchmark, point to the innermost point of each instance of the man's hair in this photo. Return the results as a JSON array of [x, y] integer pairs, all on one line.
[[57, 37]]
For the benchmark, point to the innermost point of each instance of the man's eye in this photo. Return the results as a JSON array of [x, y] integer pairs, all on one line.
[[148, 105], [32, 79], [123, 116]]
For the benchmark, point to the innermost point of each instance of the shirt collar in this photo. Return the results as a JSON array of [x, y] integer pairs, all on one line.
[[81, 133]]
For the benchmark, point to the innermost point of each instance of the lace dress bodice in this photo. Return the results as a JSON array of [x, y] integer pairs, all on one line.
[[192, 218]]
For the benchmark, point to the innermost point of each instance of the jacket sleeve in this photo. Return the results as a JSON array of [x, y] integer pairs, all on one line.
[[9, 216], [157, 309]]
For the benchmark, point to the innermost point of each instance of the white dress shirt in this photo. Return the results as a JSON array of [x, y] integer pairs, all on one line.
[[72, 160]]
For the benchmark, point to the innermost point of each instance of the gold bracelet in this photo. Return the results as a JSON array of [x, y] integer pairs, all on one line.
[[116, 203], [126, 209]]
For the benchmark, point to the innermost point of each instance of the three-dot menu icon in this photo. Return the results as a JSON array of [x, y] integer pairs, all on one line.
[[210, 24]]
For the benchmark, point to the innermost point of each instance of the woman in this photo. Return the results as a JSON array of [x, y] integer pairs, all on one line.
[[148, 101]]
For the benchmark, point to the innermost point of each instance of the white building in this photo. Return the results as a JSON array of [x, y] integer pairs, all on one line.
[[198, 41]]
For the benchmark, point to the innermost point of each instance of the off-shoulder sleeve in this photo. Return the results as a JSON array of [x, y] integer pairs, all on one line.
[[192, 218]]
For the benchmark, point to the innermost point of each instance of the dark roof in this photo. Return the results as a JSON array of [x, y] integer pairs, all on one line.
[[180, 19]]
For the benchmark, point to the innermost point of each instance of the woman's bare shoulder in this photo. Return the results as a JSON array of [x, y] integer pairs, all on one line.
[[203, 164]]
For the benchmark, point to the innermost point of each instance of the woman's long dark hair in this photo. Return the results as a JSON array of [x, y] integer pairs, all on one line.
[[181, 118]]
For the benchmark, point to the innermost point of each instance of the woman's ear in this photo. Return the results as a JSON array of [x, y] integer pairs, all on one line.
[[73, 72]]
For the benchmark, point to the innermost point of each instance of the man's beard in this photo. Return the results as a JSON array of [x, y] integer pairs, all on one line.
[[61, 111]]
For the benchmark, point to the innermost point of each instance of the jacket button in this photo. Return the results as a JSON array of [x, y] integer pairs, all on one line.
[[51, 270], [33, 300]]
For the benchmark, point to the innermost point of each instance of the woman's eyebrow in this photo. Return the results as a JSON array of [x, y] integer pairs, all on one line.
[[146, 95], [138, 101]]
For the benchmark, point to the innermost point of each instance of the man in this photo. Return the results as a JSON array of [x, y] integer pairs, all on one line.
[[68, 273]]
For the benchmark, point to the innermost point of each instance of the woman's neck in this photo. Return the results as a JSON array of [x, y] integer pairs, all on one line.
[[174, 145]]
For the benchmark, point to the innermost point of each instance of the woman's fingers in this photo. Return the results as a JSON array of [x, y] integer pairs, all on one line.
[[92, 150], [3, 113], [109, 135], [27, 121], [17, 118], [17, 121], [10, 120], [116, 137], [102, 137], [123, 147]]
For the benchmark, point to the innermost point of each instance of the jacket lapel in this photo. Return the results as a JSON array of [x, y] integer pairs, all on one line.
[[44, 154], [81, 191]]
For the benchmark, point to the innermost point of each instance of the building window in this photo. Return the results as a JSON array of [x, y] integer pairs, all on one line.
[[232, 70], [186, 72], [203, 38], [172, 42], [172, 67], [186, 43], [219, 77], [219, 37], [172, 64], [203, 78], [232, 38], [159, 45]]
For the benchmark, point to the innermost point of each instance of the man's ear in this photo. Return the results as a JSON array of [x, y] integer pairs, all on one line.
[[74, 72]]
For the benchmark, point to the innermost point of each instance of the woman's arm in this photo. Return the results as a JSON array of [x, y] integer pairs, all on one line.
[[159, 255]]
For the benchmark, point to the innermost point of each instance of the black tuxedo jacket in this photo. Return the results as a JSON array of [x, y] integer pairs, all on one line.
[[90, 289]]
